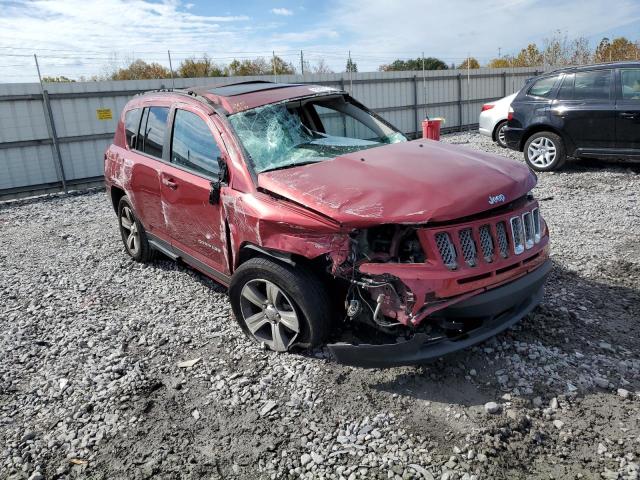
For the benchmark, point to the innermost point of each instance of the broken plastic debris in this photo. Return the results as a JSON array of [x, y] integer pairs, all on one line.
[[188, 363], [78, 461], [196, 414]]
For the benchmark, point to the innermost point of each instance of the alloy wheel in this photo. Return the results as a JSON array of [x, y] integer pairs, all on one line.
[[131, 232], [541, 152], [269, 314], [501, 136]]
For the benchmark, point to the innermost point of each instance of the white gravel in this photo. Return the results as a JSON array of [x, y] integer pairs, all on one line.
[[111, 369]]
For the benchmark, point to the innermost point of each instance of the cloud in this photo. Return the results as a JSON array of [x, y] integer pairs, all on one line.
[[285, 12]]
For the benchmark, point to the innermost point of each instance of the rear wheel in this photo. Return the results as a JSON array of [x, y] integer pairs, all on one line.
[[499, 135], [544, 151], [132, 232], [278, 305]]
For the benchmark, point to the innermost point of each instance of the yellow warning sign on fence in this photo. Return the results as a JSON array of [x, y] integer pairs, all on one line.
[[104, 114]]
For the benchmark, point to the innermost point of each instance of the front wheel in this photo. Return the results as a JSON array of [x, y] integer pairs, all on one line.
[[544, 152], [278, 305]]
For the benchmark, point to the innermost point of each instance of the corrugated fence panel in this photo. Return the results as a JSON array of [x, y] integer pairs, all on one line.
[[28, 159]]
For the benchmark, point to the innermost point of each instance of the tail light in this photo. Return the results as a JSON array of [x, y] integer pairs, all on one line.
[[510, 114], [487, 106]]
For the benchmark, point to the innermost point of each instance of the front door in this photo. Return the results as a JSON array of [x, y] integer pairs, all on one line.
[[196, 226], [585, 103], [628, 111]]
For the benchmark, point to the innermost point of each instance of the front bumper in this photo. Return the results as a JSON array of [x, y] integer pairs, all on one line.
[[498, 309]]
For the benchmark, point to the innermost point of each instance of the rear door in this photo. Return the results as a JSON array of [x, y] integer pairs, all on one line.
[[585, 105], [628, 111], [145, 129], [196, 226]]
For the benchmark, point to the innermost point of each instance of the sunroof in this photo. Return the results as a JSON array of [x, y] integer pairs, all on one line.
[[248, 87]]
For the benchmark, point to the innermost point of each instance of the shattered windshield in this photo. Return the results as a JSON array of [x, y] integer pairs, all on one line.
[[296, 133]]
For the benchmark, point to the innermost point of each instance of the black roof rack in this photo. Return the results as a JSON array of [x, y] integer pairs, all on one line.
[[240, 88]]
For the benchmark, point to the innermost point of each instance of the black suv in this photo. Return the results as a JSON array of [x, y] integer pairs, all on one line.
[[588, 111]]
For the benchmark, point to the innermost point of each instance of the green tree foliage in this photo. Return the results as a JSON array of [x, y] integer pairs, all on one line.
[[351, 66], [430, 63], [140, 70], [200, 67], [470, 63], [260, 66]]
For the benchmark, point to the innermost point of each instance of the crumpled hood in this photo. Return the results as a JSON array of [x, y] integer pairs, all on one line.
[[411, 183]]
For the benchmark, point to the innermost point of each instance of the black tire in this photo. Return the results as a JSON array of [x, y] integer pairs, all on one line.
[[542, 164], [499, 139], [143, 252], [301, 290]]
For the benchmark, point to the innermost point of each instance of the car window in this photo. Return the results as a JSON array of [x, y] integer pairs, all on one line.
[[566, 90], [543, 87], [594, 85], [131, 124], [630, 79], [340, 124], [152, 135], [193, 145]]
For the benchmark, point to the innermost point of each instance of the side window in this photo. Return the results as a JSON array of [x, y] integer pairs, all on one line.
[[193, 145], [630, 79], [143, 127], [340, 124], [131, 124], [566, 90], [153, 130], [543, 87], [594, 85]]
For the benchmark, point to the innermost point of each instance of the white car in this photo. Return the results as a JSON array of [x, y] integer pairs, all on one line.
[[493, 119]]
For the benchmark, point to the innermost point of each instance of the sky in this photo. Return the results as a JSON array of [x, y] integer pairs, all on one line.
[[84, 37]]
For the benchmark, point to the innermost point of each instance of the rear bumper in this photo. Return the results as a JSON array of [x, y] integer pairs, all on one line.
[[499, 309], [486, 124], [513, 137]]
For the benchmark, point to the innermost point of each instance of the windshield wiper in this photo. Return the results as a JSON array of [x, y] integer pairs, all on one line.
[[290, 165]]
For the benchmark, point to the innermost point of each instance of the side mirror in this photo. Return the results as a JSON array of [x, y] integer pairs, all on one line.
[[216, 186]]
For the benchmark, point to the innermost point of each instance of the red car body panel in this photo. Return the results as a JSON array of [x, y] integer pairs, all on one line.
[[311, 211], [403, 183]]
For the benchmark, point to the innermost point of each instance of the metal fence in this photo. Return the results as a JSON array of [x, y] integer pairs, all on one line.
[[56, 137]]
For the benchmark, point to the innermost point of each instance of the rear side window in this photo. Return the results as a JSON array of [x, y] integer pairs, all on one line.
[[543, 87], [131, 124], [566, 90], [152, 130], [594, 85], [193, 145], [630, 79]]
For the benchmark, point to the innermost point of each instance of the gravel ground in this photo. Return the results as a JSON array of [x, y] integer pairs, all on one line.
[[91, 384]]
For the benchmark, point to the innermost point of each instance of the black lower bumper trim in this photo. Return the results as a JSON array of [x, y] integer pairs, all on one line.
[[514, 300]]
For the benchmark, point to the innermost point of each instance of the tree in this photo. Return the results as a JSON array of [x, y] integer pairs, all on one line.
[[528, 57], [504, 62], [619, 49], [203, 67], [259, 66], [351, 66], [430, 63], [470, 63], [580, 52], [60, 79], [281, 67], [321, 67], [140, 70]]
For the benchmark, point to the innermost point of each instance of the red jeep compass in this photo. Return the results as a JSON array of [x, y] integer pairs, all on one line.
[[326, 223]]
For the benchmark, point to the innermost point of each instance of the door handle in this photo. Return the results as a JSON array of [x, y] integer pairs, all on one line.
[[169, 183], [628, 114]]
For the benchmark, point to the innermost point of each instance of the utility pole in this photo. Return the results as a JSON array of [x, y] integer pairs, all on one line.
[[350, 74], [301, 62], [499, 52], [468, 89], [275, 72], [173, 82]]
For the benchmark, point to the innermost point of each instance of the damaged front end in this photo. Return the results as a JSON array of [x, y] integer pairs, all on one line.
[[420, 292]]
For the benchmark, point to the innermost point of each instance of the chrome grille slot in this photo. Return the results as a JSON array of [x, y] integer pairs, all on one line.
[[536, 225], [468, 245], [447, 250], [487, 243], [517, 233], [527, 220], [503, 239]]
